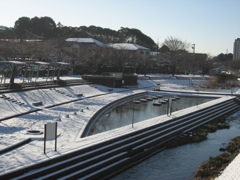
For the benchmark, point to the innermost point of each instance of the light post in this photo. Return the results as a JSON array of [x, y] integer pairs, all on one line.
[[169, 106], [231, 84], [193, 47], [197, 96], [134, 102], [133, 113]]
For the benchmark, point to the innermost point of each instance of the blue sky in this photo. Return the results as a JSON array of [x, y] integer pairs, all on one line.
[[212, 25]]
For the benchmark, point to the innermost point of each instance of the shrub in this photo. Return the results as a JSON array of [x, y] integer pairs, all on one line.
[[222, 81], [223, 78], [212, 128]]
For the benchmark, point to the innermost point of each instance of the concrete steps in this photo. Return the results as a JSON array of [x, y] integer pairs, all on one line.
[[41, 85], [105, 159]]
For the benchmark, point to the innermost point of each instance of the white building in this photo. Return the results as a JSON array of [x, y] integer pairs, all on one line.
[[236, 49], [142, 51], [85, 41]]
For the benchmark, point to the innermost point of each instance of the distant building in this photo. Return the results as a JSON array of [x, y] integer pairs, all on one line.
[[219, 70], [80, 47], [142, 51], [128, 46], [3, 28], [236, 49], [85, 41]]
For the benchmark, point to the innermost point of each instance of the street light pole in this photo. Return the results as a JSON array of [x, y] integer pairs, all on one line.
[[133, 113]]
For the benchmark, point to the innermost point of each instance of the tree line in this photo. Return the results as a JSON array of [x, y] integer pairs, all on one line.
[[46, 28], [174, 55]]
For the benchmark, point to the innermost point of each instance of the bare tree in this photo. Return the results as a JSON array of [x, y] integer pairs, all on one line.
[[175, 44], [5, 50], [89, 58], [177, 54]]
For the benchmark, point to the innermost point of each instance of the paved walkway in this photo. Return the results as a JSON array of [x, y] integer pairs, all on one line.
[[232, 171]]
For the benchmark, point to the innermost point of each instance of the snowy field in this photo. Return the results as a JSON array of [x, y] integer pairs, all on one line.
[[72, 117]]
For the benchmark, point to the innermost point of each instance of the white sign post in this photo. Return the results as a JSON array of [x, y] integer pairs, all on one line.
[[50, 132]]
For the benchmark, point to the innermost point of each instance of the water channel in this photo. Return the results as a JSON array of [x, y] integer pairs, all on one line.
[[124, 114], [181, 162], [178, 163]]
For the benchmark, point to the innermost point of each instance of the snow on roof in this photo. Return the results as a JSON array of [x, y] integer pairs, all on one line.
[[127, 46], [3, 27], [60, 63], [42, 63], [85, 40], [16, 62]]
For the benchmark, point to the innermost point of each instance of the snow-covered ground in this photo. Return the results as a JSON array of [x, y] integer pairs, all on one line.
[[71, 117]]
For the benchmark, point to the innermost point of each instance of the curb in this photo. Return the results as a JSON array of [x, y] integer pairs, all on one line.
[[10, 148]]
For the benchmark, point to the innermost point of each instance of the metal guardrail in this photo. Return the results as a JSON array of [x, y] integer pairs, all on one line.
[[107, 108]]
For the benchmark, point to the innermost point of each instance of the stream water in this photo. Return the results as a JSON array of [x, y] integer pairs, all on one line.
[[178, 163], [181, 162]]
